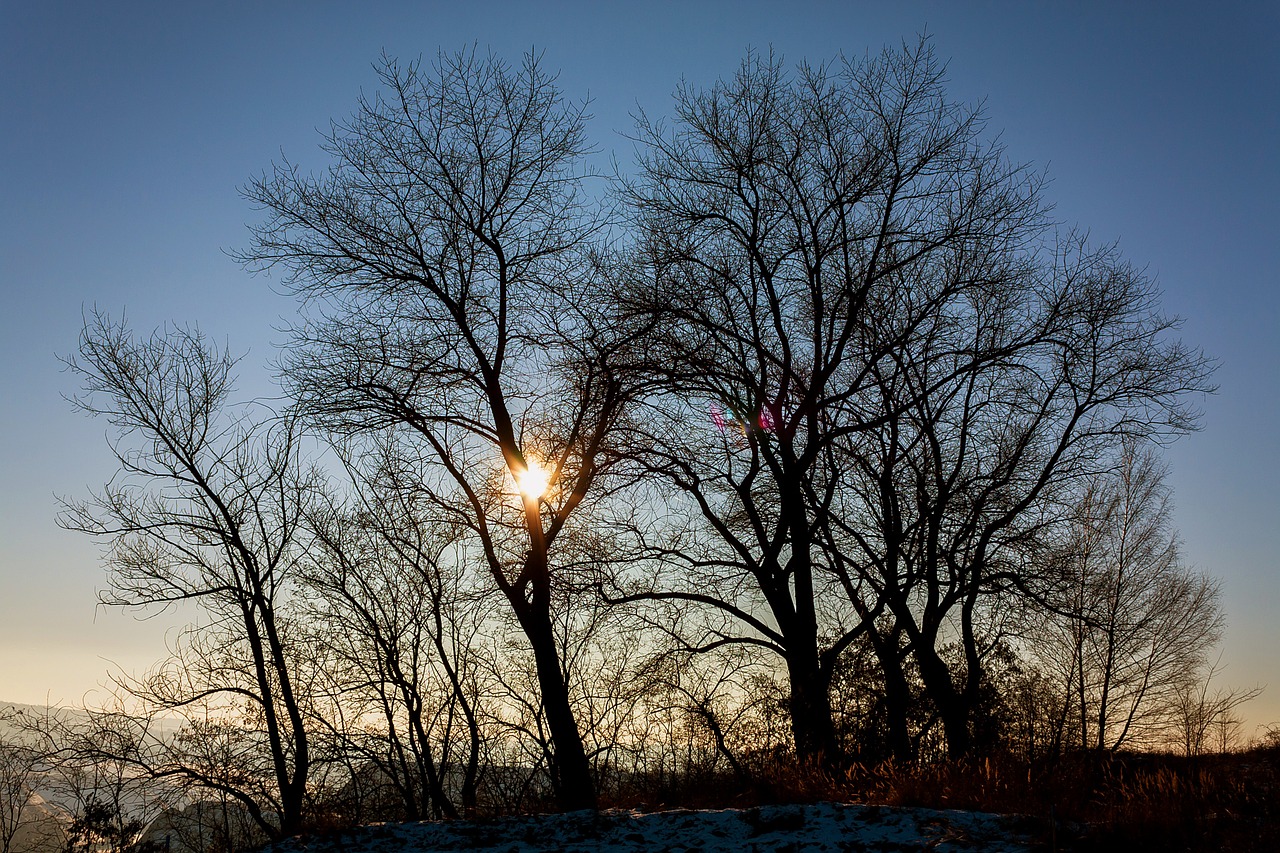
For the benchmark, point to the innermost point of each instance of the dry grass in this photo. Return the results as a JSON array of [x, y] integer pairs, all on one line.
[[1129, 803], [1125, 803], [1219, 802]]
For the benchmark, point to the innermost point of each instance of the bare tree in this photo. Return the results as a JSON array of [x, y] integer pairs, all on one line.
[[1134, 624], [445, 252], [799, 230], [1205, 720], [205, 509], [882, 369], [997, 412], [19, 770], [398, 615]]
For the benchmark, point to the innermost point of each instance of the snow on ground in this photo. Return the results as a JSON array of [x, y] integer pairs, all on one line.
[[824, 828]]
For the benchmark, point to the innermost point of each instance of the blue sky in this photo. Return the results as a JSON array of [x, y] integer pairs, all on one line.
[[125, 129]]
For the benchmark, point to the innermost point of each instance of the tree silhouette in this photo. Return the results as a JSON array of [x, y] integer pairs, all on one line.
[[446, 252]]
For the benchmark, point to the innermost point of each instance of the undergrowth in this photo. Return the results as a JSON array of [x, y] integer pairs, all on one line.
[[1085, 802]]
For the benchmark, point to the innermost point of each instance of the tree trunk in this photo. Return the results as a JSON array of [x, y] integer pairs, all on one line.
[[810, 704], [572, 772], [897, 697], [951, 704]]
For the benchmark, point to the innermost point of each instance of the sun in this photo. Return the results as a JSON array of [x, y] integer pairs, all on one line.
[[534, 480]]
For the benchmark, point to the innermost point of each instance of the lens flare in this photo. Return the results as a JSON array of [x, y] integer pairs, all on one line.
[[534, 480]]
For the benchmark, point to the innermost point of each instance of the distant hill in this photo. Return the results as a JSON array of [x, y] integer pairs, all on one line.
[[165, 727], [52, 789], [11, 710]]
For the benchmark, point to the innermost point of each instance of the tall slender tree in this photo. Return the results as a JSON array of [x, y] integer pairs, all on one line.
[[1134, 623], [446, 253], [206, 508]]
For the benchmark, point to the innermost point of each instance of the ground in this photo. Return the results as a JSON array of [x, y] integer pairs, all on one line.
[[822, 828]]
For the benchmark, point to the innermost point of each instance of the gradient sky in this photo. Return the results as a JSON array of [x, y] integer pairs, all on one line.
[[125, 129]]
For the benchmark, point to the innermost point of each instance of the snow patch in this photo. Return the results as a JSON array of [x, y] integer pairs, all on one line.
[[823, 827]]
